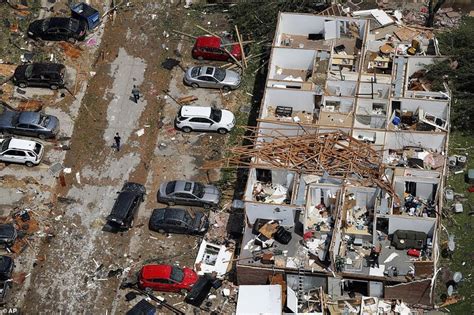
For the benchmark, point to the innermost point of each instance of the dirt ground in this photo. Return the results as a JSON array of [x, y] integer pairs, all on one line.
[[68, 264]]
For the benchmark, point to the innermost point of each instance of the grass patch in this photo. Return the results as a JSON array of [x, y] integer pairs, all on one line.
[[461, 226]]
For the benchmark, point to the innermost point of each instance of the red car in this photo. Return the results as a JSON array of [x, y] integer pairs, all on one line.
[[209, 47], [167, 278]]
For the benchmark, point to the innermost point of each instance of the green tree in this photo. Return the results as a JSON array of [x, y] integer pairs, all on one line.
[[458, 72]]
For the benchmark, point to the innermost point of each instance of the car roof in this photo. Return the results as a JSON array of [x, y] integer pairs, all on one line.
[[196, 111], [181, 186], [156, 271], [47, 67], [122, 204], [169, 213], [22, 144], [29, 118], [208, 41]]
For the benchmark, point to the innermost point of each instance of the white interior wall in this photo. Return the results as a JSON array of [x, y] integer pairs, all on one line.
[[368, 134], [301, 24], [411, 223], [380, 90], [297, 99], [364, 106], [285, 213], [315, 192], [288, 58], [381, 78], [289, 130], [287, 85], [347, 104], [439, 108], [416, 63], [365, 196], [341, 88], [252, 178], [398, 139]]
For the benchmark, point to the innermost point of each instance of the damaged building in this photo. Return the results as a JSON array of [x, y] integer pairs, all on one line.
[[346, 166]]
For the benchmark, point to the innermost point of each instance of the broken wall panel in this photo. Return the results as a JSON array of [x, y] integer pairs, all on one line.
[[416, 292]]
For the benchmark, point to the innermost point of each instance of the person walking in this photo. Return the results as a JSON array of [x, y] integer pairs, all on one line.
[[117, 141], [136, 94]]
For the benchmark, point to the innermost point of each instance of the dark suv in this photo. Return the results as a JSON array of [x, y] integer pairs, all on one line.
[[57, 28], [8, 235], [125, 206], [50, 75]]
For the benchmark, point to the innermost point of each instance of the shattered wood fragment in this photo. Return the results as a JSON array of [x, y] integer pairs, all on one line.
[[70, 50], [30, 106], [184, 100]]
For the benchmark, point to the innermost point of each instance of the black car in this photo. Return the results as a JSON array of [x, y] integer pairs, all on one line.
[[8, 235], [178, 221], [50, 75], [57, 28], [125, 206], [32, 124], [6, 267]]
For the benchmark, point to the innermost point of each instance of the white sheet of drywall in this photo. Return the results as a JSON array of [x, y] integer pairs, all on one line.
[[347, 103], [330, 130], [341, 88], [289, 58], [431, 140], [439, 108], [381, 78], [288, 85], [380, 90], [410, 223], [316, 192], [296, 99], [270, 211], [252, 178], [365, 196], [267, 128]]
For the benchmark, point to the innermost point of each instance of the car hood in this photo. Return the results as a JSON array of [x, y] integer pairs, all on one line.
[[6, 118], [211, 194], [231, 77], [162, 190], [7, 231], [53, 123], [134, 187], [227, 117], [20, 72]]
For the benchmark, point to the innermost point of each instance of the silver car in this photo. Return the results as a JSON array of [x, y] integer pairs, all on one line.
[[189, 193], [212, 77]]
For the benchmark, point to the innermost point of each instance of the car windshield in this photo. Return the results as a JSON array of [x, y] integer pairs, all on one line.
[[177, 274], [45, 24], [44, 120], [37, 148], [5, 144], [216, 114], [29, 71], [195, 71], [170, 187], [198, 190], [219, 74]]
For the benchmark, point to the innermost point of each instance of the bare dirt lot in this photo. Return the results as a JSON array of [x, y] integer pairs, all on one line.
[[68, 264]]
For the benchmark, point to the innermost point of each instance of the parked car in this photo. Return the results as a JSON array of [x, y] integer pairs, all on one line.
[[125, 207], [166, 278], [212, 77], [189, 193], [211, 48], [8, 234], [50, 75], [6, 267], [32, 124], [57, 28], [21, 151], [191, 118], [168, 220]]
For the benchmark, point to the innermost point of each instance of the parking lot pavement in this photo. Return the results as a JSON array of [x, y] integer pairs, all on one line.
[[73, 272]]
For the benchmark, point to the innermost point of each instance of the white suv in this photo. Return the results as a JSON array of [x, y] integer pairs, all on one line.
[[204, 118], [26, 152]]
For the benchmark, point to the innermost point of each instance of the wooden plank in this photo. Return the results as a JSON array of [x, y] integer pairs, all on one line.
[[244, 59]]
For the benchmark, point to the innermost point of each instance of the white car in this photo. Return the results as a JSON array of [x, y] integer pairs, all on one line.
[[26, 152], [205, 119]]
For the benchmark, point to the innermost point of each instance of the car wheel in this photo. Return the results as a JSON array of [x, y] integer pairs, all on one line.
[[200, 58], [22, 85], [186, 129], [72, 40], [161, 231], [42, 136], [29, 164], [194, 85], [226, 88], [207, 206], [222, 131], [53, 87], [171, 203], [230, 60], [183, 292]]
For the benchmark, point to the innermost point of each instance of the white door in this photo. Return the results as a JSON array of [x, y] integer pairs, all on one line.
[[199, 123], [15, 156]]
